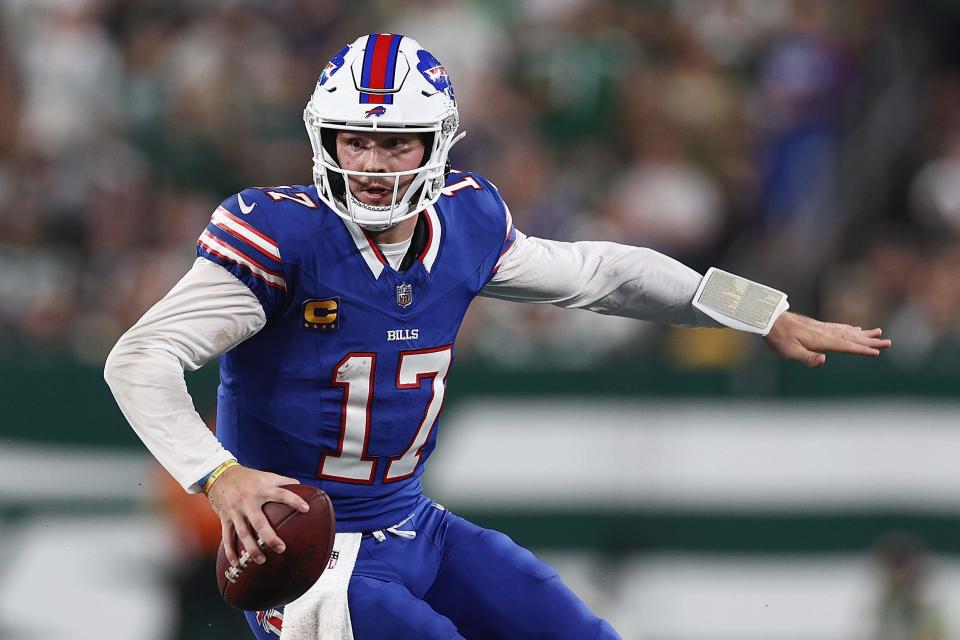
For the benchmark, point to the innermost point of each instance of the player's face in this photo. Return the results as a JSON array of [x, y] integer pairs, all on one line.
[[379, 153]]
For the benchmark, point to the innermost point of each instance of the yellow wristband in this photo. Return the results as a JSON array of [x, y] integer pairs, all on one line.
[[215, 474]]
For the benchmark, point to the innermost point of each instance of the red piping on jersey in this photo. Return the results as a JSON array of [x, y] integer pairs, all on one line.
[[507, 247], [502, 253], [373, 245], [426, 249]]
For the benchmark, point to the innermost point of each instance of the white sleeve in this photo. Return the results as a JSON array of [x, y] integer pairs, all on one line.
[[605, 277], [205, 314]]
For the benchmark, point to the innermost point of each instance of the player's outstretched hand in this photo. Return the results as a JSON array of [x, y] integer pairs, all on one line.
[[797, 337], [238, 497]]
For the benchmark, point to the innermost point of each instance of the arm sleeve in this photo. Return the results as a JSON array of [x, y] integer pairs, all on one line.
[[604, 277], [205, 314]]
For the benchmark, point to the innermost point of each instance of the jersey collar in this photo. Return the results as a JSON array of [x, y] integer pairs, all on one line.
[[432, 232]]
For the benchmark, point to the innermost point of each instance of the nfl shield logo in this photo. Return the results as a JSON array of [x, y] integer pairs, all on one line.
[[404, 295]]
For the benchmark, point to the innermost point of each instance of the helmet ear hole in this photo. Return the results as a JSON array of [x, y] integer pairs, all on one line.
[[427, 139], [338, 187], [328, 139]]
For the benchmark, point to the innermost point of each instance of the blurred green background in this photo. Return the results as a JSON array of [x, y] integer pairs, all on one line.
[[686, 483]]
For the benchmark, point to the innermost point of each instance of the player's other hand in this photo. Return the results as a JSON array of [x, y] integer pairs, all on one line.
[[806, 340], [238, 497]]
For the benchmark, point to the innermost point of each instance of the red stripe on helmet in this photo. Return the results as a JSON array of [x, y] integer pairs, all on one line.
[[378, 70]]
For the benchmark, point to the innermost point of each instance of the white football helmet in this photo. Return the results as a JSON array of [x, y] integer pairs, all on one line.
[[386, 83]]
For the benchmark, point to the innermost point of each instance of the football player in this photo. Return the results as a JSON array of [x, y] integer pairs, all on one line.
[[334, 308]]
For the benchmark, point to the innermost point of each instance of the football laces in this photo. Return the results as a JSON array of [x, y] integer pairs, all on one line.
[[234, 571]]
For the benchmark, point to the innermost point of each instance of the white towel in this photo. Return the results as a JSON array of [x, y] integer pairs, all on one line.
[[322, 613]]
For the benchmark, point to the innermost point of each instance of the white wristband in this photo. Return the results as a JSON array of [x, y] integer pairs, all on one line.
[[739, 303]]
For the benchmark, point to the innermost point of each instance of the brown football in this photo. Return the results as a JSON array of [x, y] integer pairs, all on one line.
[[286, 576]]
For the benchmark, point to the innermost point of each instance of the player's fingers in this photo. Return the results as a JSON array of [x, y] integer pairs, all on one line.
[[277, 480], [811, 359], [290, 499], [267, 537], [278, 494], [841, 331], [871, 343], [228, 535], [841, 345], [798, 351], [870, 338], [250, 546], [816, 360], [875, 343], [839, 342]]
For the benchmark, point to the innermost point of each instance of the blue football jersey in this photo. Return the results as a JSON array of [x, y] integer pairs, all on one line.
[[343, 387]]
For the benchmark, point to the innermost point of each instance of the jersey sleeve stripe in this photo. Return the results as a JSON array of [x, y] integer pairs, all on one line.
[[243, 231], [241, 246], [212, 244]]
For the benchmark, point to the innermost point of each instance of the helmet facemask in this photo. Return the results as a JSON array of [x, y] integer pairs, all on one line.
[[334, 185]]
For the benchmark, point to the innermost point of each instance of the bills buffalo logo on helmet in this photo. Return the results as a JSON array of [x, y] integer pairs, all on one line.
[[333, 66], [435, 74], [377, 111]]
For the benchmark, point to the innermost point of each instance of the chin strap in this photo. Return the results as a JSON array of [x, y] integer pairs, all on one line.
[[368, 207]]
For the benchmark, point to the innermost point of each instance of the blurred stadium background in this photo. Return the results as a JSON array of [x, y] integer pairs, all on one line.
[[686, 483]]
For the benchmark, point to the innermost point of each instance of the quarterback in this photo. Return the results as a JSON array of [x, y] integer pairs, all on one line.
[[334, 309]]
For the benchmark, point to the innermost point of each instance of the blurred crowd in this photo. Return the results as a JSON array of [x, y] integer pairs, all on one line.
[[808, 144]]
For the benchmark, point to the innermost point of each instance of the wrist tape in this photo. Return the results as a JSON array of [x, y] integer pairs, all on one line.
[[739, 303]]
